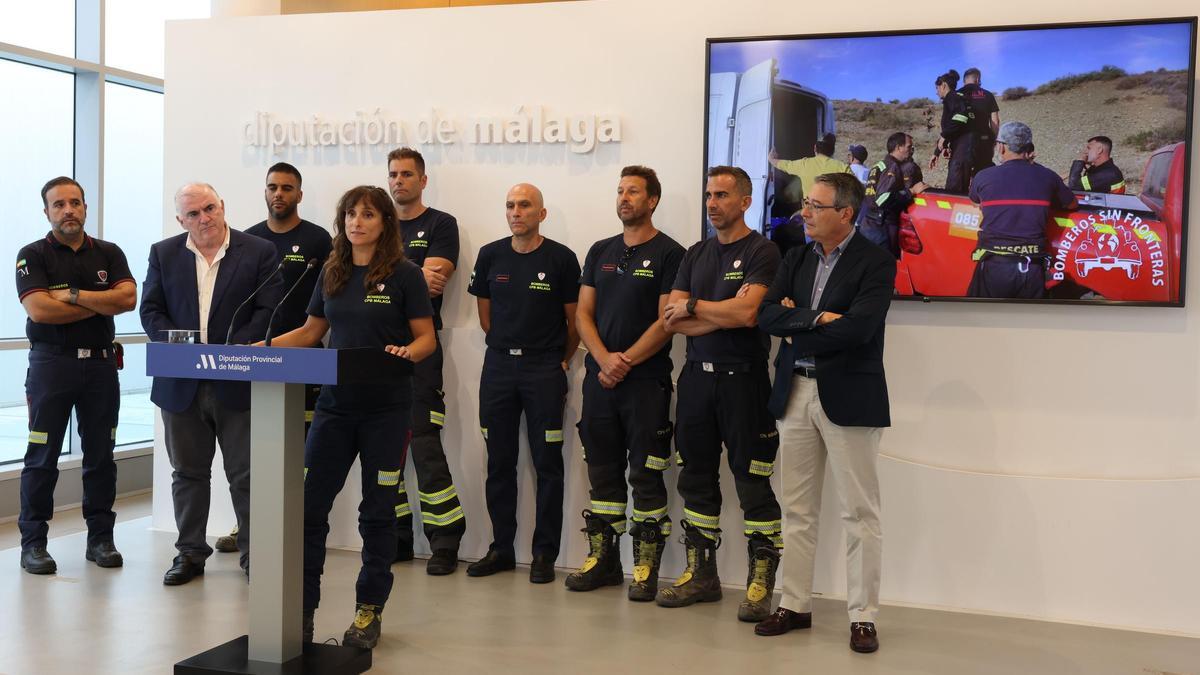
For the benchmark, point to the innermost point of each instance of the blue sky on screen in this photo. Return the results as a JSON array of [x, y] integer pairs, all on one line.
[[905, 66]]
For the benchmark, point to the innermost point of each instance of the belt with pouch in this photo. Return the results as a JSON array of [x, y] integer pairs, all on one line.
[[76, 352]]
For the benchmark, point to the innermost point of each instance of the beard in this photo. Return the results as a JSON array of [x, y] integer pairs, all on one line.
[[282, 214]]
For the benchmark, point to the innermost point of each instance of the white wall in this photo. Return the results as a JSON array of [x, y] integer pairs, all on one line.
[[1043, 460]]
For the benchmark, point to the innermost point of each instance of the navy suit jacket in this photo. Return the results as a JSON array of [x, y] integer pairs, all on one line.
[[848, 352], [171, 300]]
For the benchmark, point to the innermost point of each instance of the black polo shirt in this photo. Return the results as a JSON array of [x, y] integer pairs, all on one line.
[[629, 282], [47, 265], [375, 317], [295, 248], [714, 271], [527, 293], [433, 234]]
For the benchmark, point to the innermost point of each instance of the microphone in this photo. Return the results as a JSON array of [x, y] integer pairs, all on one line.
[[311, 264], [229, 335]]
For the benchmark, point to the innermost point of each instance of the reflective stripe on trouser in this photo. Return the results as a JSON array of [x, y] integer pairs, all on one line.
[[336, 438], [627, 425], [56, 383], [536, 386], [731, 409], [442, 519], [810, 440]]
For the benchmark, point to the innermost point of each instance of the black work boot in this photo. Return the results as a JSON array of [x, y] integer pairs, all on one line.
[[307, 625], [648, 544], [104, 553], [603, 564], [443, 561], [368, 623], [37, 560], [760, 580], [699, 581]]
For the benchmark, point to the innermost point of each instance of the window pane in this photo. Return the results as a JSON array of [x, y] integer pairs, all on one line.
[[14, 416], [133, 178], [133, 31], [136, 422], [44, 25], [37, 115], [135, 425]]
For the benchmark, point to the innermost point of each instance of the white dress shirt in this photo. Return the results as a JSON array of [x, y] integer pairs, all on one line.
[[206, 279]]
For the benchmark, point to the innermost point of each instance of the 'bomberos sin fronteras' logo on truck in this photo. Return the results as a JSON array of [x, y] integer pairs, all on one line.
[[1107, 241]]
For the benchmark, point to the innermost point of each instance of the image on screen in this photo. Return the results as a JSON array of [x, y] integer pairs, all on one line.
[[1089, 191]]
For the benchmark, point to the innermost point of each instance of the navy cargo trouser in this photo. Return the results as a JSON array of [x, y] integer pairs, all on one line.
[[727, 404], [533, 383], [442, 517], [960, 169], [335, 439], [1008, 276], [56, 382], [630, 425]]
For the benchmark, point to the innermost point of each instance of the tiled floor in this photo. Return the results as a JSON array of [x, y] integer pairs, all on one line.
[[89, 620]]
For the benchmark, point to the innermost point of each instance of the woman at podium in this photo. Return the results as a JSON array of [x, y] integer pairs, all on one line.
[[367, 295]]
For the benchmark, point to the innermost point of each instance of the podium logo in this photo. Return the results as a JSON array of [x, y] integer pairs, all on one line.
[[207, 362]]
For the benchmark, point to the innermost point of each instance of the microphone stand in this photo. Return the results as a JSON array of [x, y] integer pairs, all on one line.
[[229, 335], [307, 268]]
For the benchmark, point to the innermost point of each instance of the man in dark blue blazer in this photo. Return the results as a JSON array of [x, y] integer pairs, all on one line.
[[196, 281], [828, 302]]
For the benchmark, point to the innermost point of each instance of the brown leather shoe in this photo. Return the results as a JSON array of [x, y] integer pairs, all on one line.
[[863, 638], [782, 621]]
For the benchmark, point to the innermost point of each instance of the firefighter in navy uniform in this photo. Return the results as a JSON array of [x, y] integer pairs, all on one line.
[[367, 295], [1095, 171], [430, 242], [888, 193], [71, 286], [1016, 198], [627, 389], [526, 287], [296, 241], [985, 119], [956, 134], [723, 392]]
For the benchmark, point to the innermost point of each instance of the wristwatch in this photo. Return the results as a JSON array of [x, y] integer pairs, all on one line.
[[74, 299], [691, 306]]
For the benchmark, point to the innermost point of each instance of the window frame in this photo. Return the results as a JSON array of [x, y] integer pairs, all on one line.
[[91, 73]]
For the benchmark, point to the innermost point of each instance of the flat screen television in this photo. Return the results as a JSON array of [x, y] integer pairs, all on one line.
[[1095, 96]]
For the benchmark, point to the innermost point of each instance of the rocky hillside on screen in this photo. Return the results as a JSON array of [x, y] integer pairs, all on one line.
[[1140, 112]]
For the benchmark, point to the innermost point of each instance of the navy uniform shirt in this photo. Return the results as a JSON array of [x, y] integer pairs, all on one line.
[[982, 104], [1016, 198], [629, 282], [527, 293], [714, 271], [1105, 177], [374, 317], [433, 234], [296, 247], [47, 265], [956, 116]]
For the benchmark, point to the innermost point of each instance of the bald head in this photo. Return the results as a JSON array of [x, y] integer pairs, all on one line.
[[525, 209], [527, 191]]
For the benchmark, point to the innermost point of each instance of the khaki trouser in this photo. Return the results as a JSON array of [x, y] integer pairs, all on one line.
[[807, 439]]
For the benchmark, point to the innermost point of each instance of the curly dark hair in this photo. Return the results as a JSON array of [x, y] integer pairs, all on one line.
[[389, 250]]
